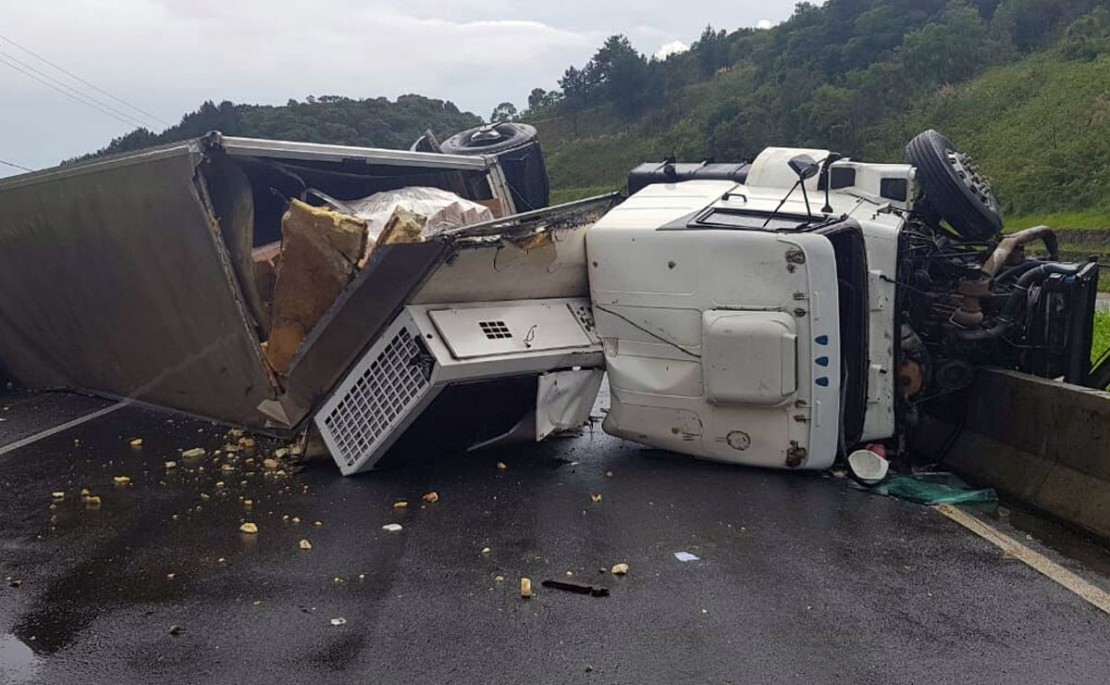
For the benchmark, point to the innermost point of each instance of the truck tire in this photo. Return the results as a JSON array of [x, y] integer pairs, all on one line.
[[954, 188], [489, 139]]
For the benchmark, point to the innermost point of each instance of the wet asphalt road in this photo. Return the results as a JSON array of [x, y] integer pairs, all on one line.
[[801, 578]]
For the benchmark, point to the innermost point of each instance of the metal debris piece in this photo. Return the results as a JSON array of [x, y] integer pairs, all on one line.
[[578, 588], [251, 528], [608, 474], [171, 465], [431, 497], [305, 544], [58, 495], [392, 527], [136, 443], [92, 502], [121, 480], [685, 556], [502, 466], [619, 569], [176, 630], [193, 453], [401, 504], [499, 579], [525, 588], [486, 550], [596, 497], [339, 621], [171, 576]]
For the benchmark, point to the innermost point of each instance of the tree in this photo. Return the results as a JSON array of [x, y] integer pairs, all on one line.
[[711, 51], [953, 48], [502, 113], [1088, 36]]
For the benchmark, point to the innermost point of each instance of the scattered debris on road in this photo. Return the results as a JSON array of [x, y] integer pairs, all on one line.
[[619, 569], [525, 588], [249, 528], [305, 544], [685, 556], [578, 588], [392, 527], [339, 621], [431, 497]]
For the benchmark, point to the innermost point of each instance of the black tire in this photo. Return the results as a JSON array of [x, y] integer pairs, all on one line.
[[489, 139], [954, 188]]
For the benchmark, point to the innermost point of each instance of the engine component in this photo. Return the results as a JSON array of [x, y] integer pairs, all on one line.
[[954, 374]]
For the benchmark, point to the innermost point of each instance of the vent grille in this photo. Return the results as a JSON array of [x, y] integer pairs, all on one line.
[[375, 399], [495, 330]]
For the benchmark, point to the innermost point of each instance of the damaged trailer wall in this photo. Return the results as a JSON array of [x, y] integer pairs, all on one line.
[[114, 278]]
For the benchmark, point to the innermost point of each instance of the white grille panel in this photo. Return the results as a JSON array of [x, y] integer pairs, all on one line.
[[374, 398]]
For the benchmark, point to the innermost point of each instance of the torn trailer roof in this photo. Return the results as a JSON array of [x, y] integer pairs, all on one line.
[[152, 276]]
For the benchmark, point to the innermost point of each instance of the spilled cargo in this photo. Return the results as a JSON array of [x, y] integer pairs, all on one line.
[[229, 278]]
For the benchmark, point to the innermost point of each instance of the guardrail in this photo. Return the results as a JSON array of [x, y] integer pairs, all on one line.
[[1040, 441]]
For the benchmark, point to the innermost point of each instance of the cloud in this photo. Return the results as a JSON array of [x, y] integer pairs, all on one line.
[[673, 48], [168, 56], [764, 24]]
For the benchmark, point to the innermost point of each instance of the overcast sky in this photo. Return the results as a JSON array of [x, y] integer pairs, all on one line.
[[168, 56]]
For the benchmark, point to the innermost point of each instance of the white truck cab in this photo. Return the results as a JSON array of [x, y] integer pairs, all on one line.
[[752, 321]]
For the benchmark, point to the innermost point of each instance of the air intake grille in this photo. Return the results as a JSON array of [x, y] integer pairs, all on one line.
[[495, 330], [372, 401]]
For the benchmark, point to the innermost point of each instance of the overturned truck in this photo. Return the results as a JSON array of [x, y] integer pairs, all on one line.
[[777, 313]]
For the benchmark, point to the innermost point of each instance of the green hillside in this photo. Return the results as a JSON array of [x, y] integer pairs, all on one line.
[[1024, 85], [373, 122]]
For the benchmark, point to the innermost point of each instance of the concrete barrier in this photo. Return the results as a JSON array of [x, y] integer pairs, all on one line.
[[1043, 442]]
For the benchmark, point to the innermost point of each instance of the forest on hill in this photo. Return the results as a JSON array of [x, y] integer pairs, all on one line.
[[372, 122], [1023, 85]]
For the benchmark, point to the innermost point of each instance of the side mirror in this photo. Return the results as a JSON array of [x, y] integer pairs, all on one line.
[[804, 166]]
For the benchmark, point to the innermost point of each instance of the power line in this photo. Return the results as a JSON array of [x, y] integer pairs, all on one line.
[[81, 80], [69, 95], [15, 166], [71, 89]]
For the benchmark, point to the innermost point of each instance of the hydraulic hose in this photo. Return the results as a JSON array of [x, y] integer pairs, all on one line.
[[1014, 241], [1016, 271]]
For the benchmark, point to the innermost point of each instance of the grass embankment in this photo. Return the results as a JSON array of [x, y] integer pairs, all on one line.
[[1100, 341]]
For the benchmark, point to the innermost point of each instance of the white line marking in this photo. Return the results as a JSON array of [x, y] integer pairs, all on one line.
[[63, 427], [1039, 562]]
